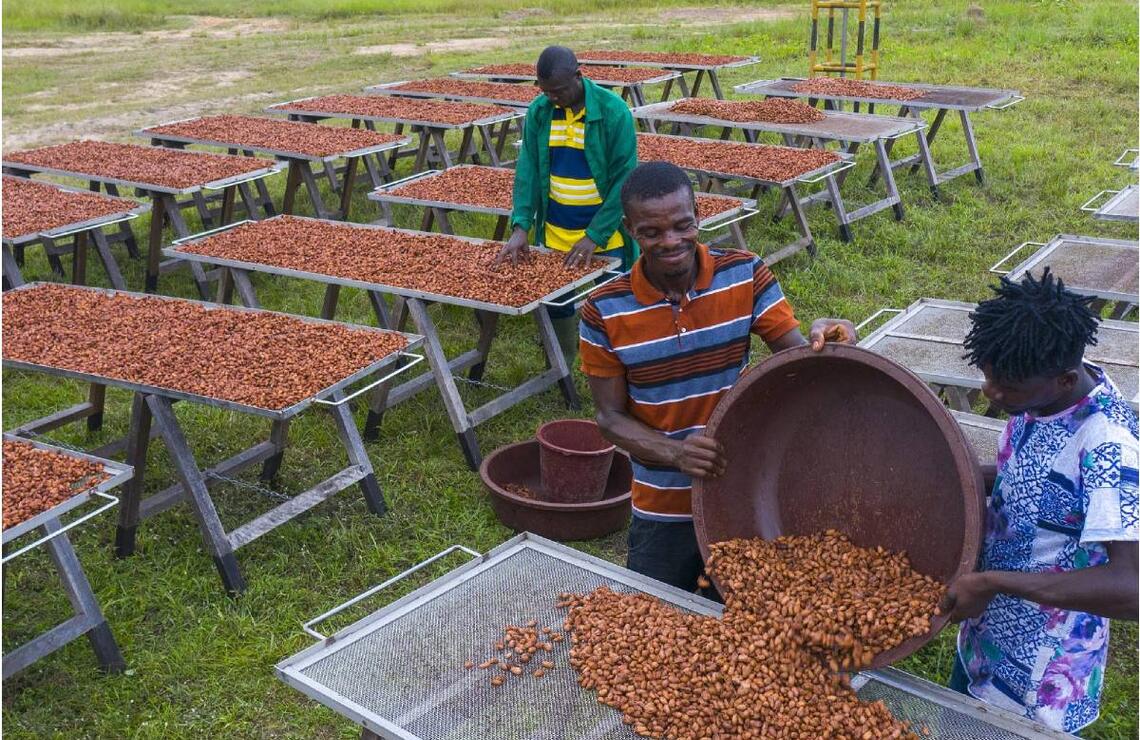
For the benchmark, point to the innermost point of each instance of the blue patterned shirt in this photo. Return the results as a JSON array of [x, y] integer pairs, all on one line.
[[1066, 485]]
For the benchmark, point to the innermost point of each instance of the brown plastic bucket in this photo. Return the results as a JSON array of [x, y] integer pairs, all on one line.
[[574, 460], [845, 439]]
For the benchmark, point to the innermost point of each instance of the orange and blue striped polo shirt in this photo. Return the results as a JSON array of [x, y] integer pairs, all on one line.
[[679, 359], [574, 196]]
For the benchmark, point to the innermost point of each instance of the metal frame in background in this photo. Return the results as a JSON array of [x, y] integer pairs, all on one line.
[[87, 617], [1123, 161], [702, 70], [300, 169], [165, 207], [849, 130], [962, 388], [1110, 291], [413, 304], [941, 99], [713, 182], [432, 146], [84, 231], [436, 211], [292, 670], [1124, 205], [631, 92], [153, 404]]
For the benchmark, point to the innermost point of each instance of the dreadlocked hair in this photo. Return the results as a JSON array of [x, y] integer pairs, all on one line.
[[1034, 328]]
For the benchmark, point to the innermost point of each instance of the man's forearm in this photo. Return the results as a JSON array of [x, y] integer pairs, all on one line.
[[1099, 590], [645, 444]]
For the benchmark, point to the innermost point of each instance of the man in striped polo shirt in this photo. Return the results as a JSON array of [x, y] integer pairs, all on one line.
[[662, 344], [578, 146]]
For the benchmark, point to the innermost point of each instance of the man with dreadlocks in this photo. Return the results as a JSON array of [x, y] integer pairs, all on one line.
[[1060, 553]]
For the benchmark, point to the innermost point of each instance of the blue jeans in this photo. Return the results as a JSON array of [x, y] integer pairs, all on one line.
[[667, 552]]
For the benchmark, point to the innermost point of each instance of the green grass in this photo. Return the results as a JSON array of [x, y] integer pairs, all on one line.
[[200, 663]]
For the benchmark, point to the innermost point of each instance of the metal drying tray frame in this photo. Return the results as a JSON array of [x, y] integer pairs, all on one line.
[[292, 669], [282, 110], [886, 127], [1116, 208], [1057, 243], [92, 223], [389, 194], [665, 76], [413, 340], [388, 88], [270, 169], [150, 133], [1001, 98], [746, 62], [175, 251], [819, 173], [119, 473]]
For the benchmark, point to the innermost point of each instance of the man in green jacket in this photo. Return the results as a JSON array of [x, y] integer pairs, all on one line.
[[579, 145]]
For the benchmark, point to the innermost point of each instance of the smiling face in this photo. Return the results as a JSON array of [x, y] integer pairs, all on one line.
[[564, 90], [666, 230]]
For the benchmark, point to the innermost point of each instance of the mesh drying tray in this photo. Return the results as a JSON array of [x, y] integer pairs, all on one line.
[[399, 672]]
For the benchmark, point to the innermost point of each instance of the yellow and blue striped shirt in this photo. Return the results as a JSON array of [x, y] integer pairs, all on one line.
[[574, 197]]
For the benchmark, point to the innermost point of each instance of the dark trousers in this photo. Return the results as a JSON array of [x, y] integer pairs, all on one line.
[[667, 552]]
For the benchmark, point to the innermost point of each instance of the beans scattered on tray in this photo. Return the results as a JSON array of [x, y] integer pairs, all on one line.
[[857, 89], [757, 161], [308, 139], [470, 185], [33, 207], [472, 89], [660, 57], [765, 668], [522, 651], [35, 480], [772, 110], [490, 187], [256, 358], [431, 263], [519, 490], [147, 165], [442, 112], [629, 75]]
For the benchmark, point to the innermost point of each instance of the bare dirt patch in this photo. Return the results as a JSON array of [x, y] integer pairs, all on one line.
[[722, 15], [413, 50]]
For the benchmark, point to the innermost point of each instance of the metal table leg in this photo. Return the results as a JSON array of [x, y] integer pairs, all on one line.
[[107, 257], [12, 276], [88, 618]]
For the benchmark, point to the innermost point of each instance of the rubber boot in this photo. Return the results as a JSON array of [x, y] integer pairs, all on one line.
[[566, 329]]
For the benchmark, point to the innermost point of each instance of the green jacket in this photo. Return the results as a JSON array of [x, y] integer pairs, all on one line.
[[611, 153]]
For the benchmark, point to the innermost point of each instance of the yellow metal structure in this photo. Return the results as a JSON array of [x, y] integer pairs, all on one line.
[[835, 61]]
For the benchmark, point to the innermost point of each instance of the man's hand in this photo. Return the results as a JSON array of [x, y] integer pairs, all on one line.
[[580, 254], [698, 456], [516, 247], [967, 597], [840, 331]]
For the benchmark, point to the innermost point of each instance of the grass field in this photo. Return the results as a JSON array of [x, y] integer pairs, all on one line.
[[200, 664]]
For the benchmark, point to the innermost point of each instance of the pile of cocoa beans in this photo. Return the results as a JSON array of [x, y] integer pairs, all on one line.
[[36, 480]]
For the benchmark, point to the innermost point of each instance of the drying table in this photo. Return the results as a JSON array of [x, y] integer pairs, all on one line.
[[162, 196], [631, 91], [154, 403], [940, 98], [88, 618], [413, 303], [1104, 268], [398, 673], [432, 146], [713, 180], [851, 130], [928, 336], [1124, 205], [636, 59], [436, 210], [300, 159], [66, 221]]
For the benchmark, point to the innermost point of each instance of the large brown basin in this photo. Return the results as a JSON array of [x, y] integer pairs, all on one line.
[[518, 464], [845, 439]]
